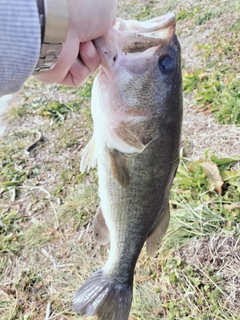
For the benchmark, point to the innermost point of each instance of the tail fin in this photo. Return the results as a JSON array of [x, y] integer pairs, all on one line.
[[103, 298]]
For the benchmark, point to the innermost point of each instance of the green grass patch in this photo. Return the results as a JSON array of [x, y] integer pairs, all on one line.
[[184, 14], [206, 16], [216, 87], [55, 110], [10, 231], [215, 92], [198, 292], [203, 198], [145, 13], [188, 13], [13, 165], [235, 26]]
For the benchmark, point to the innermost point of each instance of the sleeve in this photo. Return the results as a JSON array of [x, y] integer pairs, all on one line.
[[20, 38]]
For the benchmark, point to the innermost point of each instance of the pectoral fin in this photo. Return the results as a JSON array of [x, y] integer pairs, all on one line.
[[89, 157], [154, 240], [100, 229], [119, 167]]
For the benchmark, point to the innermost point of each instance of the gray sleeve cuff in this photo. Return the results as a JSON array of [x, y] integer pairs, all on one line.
[[19, 43]]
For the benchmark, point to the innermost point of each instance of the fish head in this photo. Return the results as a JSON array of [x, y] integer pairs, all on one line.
[[141, 66]]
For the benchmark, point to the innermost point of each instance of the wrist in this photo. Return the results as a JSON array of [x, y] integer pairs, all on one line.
[[53, 19]]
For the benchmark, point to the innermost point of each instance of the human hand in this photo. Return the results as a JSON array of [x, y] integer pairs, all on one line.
[[79, 58]]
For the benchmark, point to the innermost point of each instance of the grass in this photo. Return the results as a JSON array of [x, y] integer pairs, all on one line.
[[47, 206], [216, 86], [215, 92]]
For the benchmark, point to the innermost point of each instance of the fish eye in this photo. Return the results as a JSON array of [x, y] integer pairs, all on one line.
[[166, 64]]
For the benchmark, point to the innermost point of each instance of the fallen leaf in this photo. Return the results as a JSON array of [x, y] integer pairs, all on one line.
[[213, 175]]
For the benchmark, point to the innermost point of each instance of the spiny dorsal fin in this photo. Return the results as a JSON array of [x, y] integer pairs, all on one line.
[[89, 157], [154, 240], [119, 167], [100, 229]]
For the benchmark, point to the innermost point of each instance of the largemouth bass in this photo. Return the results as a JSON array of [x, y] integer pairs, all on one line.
[[137, 113]]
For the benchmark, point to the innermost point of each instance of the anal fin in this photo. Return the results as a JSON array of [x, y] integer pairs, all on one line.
[[89, 157], [155, 238], [100, 229], [119, 167]]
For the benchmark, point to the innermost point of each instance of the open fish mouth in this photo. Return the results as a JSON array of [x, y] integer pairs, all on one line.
[[139, 36], [130, 36]]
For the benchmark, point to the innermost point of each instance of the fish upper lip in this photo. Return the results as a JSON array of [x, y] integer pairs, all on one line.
[[161, 22], [143, 35], [148, 34]]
